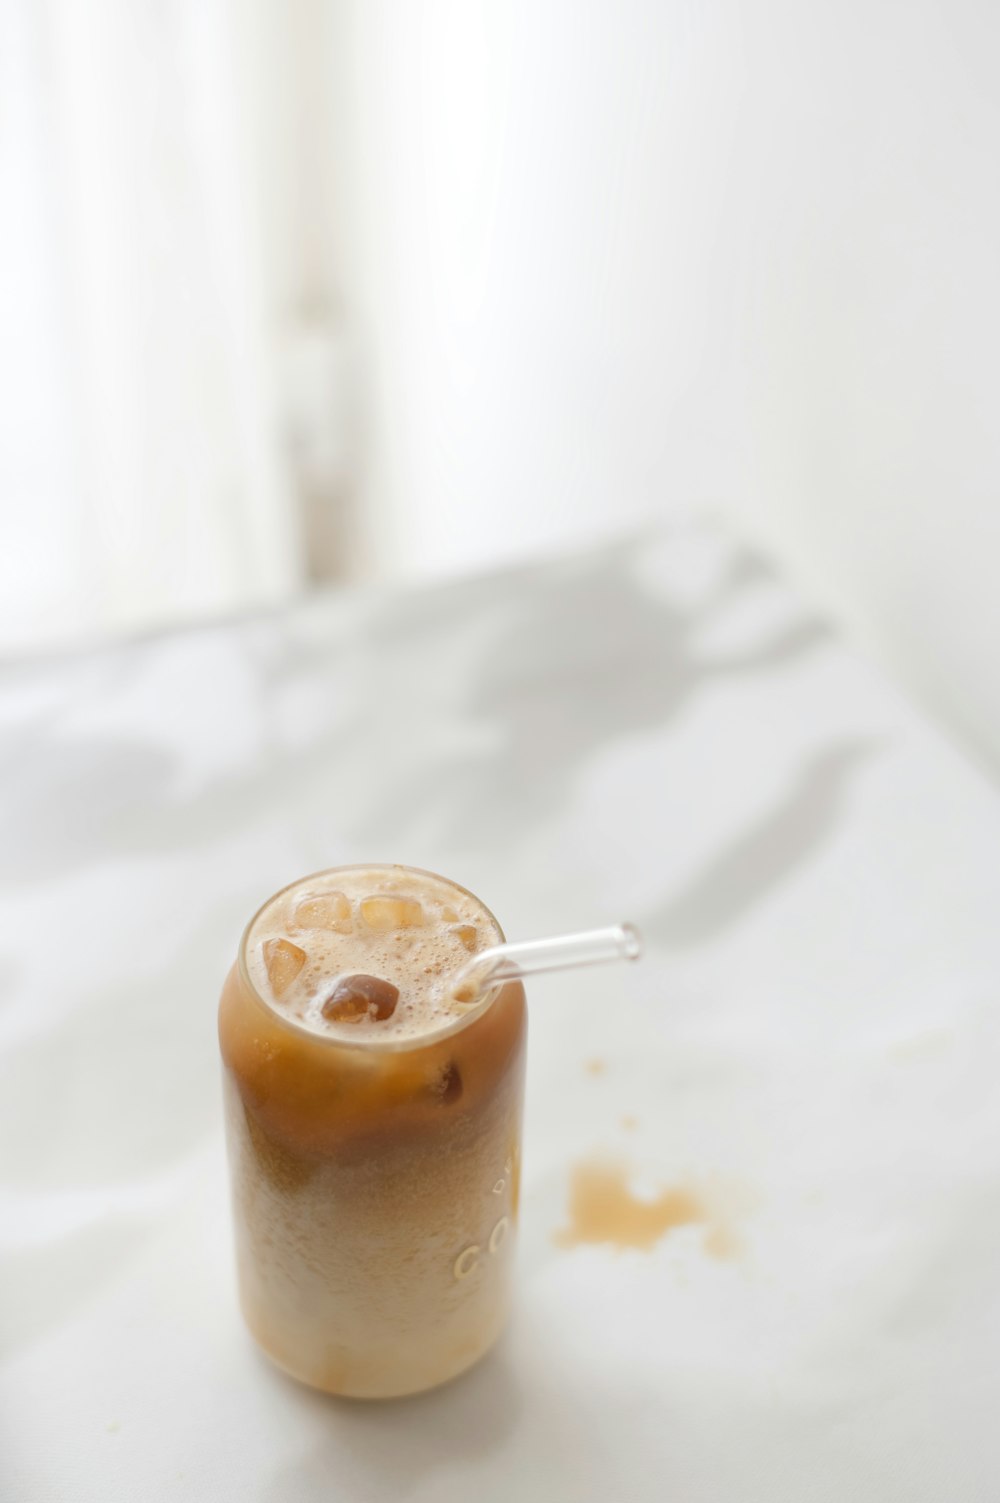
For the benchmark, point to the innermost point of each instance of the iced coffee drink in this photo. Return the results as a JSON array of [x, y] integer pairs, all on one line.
[[373, 1122]]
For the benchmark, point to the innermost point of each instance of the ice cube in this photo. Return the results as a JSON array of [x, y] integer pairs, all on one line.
[[284, 961], [468, 934], [383, 913], [330, 910], [358, 997], [448, 1085], [449, 915]]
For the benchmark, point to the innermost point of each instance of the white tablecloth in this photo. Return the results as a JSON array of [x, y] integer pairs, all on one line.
[[656, 731]]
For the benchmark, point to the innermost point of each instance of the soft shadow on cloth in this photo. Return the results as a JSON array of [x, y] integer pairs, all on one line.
[[124, 1085], [589, 657], [383, 1451], [519, 1409], [56, 1279], [480, 703], [761, 858]]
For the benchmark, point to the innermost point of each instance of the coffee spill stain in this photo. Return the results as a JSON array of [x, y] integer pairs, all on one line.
[[595, 1067], [630, 1123], [722, 1241], [604, 1211]]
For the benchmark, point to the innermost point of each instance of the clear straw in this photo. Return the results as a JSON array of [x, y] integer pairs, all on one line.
[[561, 953]]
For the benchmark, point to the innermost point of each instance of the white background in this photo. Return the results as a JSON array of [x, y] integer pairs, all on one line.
[[510, 277], [612, 261]]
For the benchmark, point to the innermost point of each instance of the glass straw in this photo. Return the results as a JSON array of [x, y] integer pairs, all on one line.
[[529, 957]]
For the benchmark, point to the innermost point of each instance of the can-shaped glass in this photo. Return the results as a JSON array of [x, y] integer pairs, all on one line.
[[375, 1158]]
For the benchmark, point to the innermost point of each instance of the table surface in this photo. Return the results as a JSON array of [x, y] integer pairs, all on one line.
[[810, 1046]]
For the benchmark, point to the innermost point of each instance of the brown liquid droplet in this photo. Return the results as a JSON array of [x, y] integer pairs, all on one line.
[[722, 1242], [595, 1067], [630, 1124]]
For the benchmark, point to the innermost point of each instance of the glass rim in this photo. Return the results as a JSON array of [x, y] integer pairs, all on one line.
[[372, 1046]]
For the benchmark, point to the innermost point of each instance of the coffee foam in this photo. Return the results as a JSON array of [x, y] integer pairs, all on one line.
[[421, 960]]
